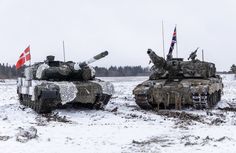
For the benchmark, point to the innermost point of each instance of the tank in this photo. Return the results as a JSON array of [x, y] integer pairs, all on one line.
[[46, 85], [175, 83]]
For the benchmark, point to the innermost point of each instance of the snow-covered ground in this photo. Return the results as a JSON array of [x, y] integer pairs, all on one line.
[[121, 127]]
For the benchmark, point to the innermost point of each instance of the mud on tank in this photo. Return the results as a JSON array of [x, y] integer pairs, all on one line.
[[175, 83], [49, 84]]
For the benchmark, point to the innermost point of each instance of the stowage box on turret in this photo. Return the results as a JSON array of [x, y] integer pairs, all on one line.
[[46, 85], [174, 83]]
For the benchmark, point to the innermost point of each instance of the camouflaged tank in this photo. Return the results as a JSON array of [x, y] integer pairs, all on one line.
[[46, 85], [174, 83]]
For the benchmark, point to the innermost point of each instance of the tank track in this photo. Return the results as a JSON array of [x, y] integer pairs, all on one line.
[[143, 102], [101, 101], [40, 106], [43, 106], [200, 101], [206, 101]]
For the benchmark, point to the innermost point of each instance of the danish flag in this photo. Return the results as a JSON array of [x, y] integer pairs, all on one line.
[[24, 57]]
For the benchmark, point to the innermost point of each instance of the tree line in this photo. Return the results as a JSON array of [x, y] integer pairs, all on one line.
[[114, 71], [9, 72]]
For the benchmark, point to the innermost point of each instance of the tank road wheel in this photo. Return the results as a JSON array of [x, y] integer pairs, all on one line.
[[219, 95], [210, 100], [213, 99]]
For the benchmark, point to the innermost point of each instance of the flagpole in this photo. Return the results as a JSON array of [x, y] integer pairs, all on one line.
[[30, 57], [202, 55], [163, 40], [176, 42], [64, 51]]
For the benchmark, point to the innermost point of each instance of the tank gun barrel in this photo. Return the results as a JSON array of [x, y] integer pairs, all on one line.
[[78, 66], [158, 61]]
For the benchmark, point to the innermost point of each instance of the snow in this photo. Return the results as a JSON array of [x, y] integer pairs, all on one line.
[[121, 127]]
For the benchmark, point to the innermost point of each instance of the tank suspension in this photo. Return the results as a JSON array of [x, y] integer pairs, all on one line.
[[200, 100], [178, 101]]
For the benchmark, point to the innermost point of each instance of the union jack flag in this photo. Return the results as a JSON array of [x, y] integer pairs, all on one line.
[[174, 40]]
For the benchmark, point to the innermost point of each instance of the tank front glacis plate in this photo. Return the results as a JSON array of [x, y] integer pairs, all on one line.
[[68, 91], [87, 92]]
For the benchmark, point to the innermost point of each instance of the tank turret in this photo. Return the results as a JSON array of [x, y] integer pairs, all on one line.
[[47, 84], [70, 71], [176, 68], [174, 83]]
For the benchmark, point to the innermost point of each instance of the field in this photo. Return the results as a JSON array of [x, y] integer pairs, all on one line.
[[121, 127]]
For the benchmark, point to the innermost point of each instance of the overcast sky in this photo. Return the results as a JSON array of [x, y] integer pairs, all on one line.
[[126, 28]]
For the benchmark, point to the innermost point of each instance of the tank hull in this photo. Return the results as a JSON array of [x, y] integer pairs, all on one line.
[[44, 96], [164, 94]]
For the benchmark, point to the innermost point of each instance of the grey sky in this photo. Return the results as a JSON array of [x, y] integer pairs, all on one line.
[[126, 28]]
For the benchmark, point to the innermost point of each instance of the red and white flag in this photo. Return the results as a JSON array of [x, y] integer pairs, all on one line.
[[24, 57]]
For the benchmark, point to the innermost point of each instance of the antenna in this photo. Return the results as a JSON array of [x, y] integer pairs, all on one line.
[[64, 56], [163, 40], [202, 55]]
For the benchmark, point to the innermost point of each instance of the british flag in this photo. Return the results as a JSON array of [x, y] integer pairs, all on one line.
[[174, 40]]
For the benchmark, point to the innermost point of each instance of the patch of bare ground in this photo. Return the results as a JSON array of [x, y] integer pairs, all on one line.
[[184, 119], [217, 121], [56, 117], [140, 116], [231, 109], [151, 145], [44, 119], [182, 116], [231, 106], [190, 140], [4, 138], [163, 141]]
